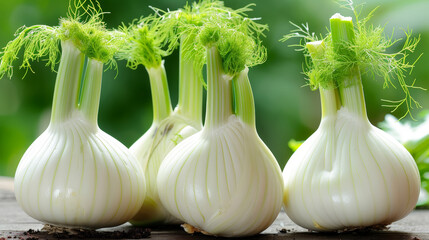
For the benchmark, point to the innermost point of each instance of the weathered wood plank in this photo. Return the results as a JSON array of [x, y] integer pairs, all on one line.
[[14, 223]]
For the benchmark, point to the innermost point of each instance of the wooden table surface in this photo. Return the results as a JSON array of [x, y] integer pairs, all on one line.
[[14, 224]]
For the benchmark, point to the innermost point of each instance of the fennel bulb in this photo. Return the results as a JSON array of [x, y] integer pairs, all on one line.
[[168, 127], [223, 180], [348, 174], [167, 130], [74, 174]]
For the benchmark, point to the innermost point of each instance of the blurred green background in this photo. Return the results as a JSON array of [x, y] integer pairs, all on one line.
[[285, 109]]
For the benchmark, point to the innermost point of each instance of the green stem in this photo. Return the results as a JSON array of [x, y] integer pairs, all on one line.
[[90, 97], [245, 104], [66, 93], [330, 101], [351, 94], [160, 96], [342, 32], [329, 98], [350, 84], [219, 101], [190, 90]]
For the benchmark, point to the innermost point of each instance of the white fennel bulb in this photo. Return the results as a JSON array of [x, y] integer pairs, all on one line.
[[167, 130], [223, 180], [168, 127], [75, 175], [348, 174]]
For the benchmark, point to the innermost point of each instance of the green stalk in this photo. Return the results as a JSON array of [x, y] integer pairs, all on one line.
[[190, 89], [245, 104], [66, 93], [90, 97], [349, 84], [160, 95], [219, 101], [329, 98], [352, 96], [342, 32]]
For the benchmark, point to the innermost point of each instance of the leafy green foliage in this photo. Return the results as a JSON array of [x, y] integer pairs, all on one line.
[[180, 27], [143, 43], [367, 51], [211, 22], [37, 41], [235, 47], [237, 41], [209, 35], [415, 137], [235, 56], [182, 24], [239, 50], [83, 26]]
